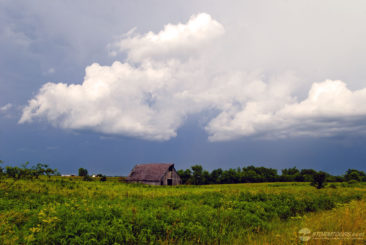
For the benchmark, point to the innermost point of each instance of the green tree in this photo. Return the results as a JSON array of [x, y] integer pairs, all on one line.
[[12, 172], [197, 174], [216, 176], [83, 172], [290, 171], [185, 175], [308, 174], [353, 174], [206, 177], [1, 168], [319, 180], [230, 176]]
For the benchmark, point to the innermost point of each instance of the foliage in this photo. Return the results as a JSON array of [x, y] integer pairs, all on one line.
[[58, 211], [87, 178], [350, 217], [353, 174], [24, 172], [251, 174], [319, 180], [1, 168], [185, 175], [352, 182], [83, 172]]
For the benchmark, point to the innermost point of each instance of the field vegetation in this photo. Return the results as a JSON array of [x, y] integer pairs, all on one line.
[[70, 211], [37, 207]]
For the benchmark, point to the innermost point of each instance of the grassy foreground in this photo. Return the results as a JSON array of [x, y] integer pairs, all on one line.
[[66, 211]]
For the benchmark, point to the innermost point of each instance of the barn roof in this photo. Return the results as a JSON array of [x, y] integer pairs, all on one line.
[[149, 172]]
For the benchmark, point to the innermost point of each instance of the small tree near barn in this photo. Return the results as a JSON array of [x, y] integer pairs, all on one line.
[[83, 172]]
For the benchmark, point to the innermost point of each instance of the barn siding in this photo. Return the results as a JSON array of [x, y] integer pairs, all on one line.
[[150, 183], [171, 175], [176, 178]]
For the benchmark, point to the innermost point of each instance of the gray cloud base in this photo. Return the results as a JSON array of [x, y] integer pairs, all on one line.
[[183, 70]]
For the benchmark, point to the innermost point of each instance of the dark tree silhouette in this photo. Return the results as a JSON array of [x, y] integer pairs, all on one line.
[[319, 180], [83, 172]]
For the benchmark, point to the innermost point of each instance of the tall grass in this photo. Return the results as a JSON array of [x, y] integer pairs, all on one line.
[[347, 219], [69, 211]]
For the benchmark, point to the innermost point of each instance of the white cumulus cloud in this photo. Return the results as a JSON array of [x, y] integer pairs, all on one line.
[[175, 73], [173, 40], [330, 108]]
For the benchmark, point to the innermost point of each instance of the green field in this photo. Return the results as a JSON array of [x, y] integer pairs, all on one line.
[[70, 211]]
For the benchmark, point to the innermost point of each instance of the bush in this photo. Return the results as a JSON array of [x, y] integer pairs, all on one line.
[[319, 180], [87, 178], [352, 182], [333, 186], [78, 212]]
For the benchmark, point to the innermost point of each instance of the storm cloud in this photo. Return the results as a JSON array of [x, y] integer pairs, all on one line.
[[182, 71]]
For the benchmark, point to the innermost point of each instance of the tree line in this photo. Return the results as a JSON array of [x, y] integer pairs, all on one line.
[[196, 175], [83, 172], [26, 172]]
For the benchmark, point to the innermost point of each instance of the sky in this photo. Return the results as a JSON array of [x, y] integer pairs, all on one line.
[[225, 84]]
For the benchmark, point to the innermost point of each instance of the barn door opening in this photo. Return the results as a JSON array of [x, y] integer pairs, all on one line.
[[170, 182]]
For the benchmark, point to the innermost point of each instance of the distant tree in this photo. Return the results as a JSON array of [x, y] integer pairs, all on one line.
[[230, 176], [83, 172], [353, 174], [206, 178], [185, 175], [265, 174], [290, 171], [50, 171], [12, 172], [291, 174], [24, 172], [197, 174], [308, 174], [319, 180], [1, 168], [216, 176], [339, 178], [299, 178], [251, 174], [42, 169], [103, 178]]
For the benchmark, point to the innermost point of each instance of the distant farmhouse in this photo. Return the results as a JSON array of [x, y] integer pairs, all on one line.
[[154, 174]]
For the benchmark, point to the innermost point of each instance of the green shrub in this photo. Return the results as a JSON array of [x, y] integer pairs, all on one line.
[[58, 211]]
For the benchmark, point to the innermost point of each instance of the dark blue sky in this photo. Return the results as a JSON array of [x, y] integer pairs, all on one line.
[[258, 84], [67, 151]]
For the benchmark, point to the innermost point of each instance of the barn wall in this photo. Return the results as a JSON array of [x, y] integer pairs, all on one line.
[[171, 175], [176, 178], [146, 182], [165, 179], [150, 182]]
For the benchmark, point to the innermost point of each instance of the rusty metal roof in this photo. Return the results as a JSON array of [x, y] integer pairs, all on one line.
[[149, 172]]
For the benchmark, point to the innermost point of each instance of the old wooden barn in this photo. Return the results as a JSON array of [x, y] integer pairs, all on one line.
[[154, 174]]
